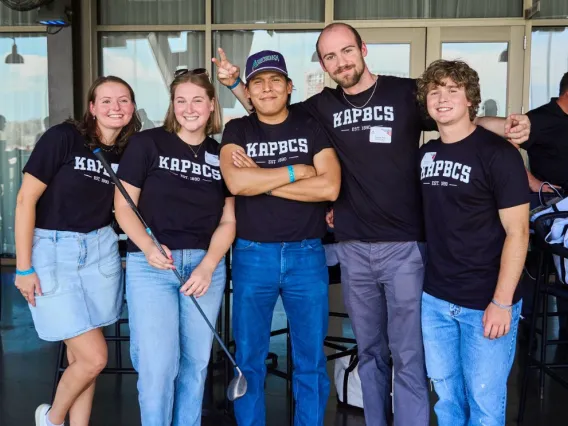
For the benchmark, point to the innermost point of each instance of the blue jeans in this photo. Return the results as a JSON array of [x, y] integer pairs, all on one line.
[[297, 272], [170, 342], [469, 372]]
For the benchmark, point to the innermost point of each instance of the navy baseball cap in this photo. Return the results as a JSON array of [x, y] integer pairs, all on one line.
[[266, 60]]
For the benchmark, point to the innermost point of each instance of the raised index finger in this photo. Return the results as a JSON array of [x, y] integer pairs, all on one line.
[[222, 54]]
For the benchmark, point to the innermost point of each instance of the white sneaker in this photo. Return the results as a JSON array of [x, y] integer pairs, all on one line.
[[40, 414]]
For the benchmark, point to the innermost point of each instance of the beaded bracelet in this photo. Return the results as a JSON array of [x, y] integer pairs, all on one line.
[[291, 174]]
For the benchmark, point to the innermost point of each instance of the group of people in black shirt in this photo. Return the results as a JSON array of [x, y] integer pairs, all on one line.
[[431, 240]]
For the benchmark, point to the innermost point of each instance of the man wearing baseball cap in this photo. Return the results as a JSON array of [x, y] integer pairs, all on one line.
[[280, 165]]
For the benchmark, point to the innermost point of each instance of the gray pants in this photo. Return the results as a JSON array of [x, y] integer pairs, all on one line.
[[382, 289]]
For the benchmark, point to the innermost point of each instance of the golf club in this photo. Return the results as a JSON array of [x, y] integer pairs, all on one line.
[[238, 386]]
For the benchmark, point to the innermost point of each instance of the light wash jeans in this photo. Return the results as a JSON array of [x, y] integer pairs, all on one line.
[[469, 372], [170, 341]]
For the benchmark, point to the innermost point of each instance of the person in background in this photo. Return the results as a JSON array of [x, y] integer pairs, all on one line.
[[547, 149]]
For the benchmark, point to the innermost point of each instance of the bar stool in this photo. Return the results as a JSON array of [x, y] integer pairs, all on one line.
[[543, 289]]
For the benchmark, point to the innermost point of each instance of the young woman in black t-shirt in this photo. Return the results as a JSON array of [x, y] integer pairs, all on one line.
[[68, 265], [172, 174]]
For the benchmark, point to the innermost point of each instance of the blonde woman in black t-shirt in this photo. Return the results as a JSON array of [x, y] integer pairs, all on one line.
[[172, 174]]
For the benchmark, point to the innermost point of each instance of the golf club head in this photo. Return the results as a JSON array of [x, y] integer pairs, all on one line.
[[237, 387]]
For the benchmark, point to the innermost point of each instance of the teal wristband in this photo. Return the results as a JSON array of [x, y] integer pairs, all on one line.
[[291, 174], [26, 272], [235, 84]]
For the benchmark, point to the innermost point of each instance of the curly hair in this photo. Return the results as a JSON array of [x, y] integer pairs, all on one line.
[[87, 126], [457, 71]]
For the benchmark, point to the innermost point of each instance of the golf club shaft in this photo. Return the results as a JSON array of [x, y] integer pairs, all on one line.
[[98, 153]]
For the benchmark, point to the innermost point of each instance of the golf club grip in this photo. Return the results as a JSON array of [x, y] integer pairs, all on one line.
[[98, 153]]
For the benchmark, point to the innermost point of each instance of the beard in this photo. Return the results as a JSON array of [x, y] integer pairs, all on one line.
[[347, 81]]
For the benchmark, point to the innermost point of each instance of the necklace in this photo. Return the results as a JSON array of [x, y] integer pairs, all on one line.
[[368, 100], [106, 148], [195, 152]]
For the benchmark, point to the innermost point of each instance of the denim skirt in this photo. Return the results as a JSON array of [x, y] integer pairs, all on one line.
[[81, 282]]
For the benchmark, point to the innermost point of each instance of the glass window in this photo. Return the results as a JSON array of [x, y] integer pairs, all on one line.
[[298, 48], [549, 62], [151, 12], [490, 61], [476, 9], [147, 61], [555, 9], [24, 113], [381, 9], [268, 11], [398, 63], [378, 9], [9, 17]]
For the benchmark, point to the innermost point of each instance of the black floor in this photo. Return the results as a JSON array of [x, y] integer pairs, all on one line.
[[27, 367]]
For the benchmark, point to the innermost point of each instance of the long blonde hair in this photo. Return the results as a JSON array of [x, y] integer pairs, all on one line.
[[202, 80]]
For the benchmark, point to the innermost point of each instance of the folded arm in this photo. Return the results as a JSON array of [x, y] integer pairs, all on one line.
[[322, 187], [249, 181]]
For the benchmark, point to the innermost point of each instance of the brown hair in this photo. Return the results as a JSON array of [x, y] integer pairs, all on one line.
[[87, 126], [457, 71], [355, 33], [202, 80]]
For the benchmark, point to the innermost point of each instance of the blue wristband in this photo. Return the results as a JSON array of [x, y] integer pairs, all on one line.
[[235, 84], [26, 272], [291, 174]]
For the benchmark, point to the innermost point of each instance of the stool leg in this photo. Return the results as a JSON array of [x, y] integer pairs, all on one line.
[[536, 303], [290, 371], [59, 369], [118, 345], [544, 337]]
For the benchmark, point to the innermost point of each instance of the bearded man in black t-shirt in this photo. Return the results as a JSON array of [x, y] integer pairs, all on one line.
[[280, 165], [475, 194], [375, 124]]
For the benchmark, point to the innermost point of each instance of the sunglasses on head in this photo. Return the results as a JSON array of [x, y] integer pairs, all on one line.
[[196, 71]]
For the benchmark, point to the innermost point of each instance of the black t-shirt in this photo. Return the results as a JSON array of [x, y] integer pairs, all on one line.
[[464, 185], [547, 146], [79, 193], [297, 140], [182, 196], [378, 148]]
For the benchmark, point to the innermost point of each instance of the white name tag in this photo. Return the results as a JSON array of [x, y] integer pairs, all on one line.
[[428, 159], [114, 167], [211, 159], [380, 134]]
